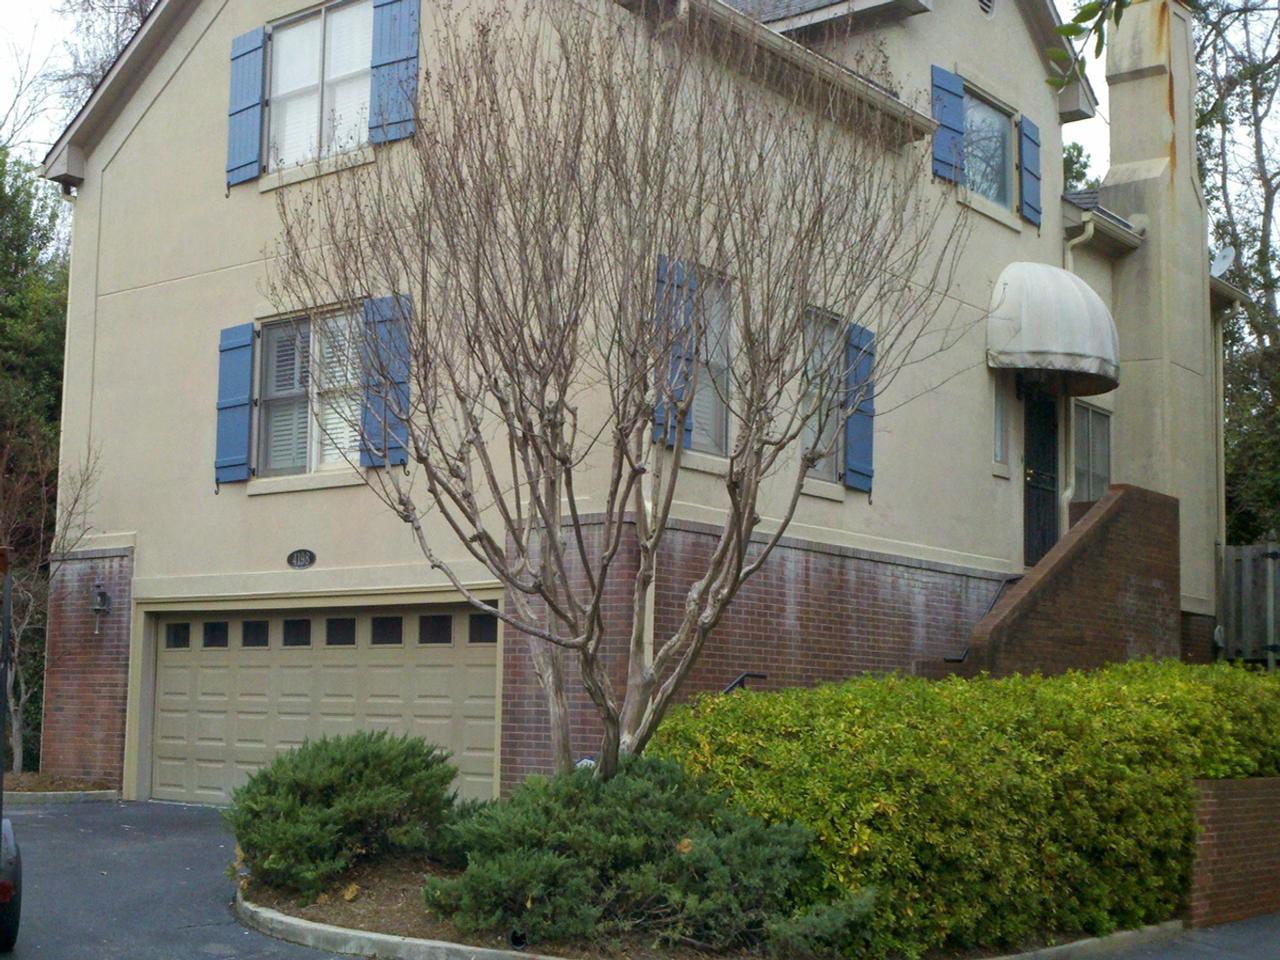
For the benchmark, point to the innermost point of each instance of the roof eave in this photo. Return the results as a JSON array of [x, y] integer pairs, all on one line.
[[64, 163], [814, 65], [1224, 295]]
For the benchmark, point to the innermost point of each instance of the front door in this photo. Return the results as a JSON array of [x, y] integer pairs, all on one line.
[[1040, 500]]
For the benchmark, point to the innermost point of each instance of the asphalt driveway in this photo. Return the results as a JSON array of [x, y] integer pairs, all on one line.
[[147, 881], [132, 881]]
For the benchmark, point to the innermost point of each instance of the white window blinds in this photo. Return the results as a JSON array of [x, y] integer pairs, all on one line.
[[320, 84], [285, 375]]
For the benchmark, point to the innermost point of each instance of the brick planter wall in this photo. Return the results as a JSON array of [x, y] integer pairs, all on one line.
[[86, 675], [815, 613], [1108, 591], [1237, 871]]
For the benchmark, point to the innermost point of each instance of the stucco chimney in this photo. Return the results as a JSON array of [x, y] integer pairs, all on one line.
[[1167, 408]]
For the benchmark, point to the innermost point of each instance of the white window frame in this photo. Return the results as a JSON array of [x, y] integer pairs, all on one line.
[[322, 11], [1000, 425], [1089, 414], [972, 92], [830, 469], [316, 394]]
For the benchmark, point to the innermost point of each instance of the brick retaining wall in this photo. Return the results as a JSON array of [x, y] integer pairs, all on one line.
[[1108, 591], [1237, 871], [814, 613]]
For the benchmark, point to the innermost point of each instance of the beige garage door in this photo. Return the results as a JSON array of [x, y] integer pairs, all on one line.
[[232, 691]]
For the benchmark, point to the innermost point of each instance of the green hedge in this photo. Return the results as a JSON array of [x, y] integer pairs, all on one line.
[[649, 852], [312, 813], [988, 812]]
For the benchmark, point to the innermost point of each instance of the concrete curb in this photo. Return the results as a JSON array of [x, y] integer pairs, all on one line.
[[361, 943], [33, 798], [1102, 946]]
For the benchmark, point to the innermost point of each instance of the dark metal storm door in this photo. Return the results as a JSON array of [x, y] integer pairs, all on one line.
[[1040, 500]]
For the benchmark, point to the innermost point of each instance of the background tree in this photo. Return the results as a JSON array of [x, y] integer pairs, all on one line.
[[1075, 169], [102, 29], [1238, 52], [565, 162], [33, 270]]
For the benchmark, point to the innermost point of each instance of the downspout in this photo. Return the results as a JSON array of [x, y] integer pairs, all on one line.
[[1068, 419]]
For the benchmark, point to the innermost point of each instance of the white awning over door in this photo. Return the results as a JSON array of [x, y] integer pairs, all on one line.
[[1050, 323]]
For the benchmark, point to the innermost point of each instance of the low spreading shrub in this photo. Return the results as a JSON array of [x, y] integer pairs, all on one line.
[[649, 851], [986, 812], [310, 814]]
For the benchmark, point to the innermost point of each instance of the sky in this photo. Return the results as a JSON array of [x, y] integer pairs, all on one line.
[[32, 25]]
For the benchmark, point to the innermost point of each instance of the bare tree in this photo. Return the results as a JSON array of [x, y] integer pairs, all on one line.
[[564, 153], [27, 98], [1238, 53], [37, 534], [102, 30]]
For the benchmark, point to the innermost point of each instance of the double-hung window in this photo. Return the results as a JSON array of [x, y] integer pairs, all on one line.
[[988, 150], [823, 395], [1092, 453], [710, 411], [310, 400], [319, 86]]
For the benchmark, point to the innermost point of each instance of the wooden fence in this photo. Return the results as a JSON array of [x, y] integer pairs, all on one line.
[[1250, 599]]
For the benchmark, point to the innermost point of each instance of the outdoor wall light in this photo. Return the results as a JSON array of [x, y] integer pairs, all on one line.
[[99, 605]]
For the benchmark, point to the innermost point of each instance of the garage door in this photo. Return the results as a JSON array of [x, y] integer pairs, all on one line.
[[232, 691]]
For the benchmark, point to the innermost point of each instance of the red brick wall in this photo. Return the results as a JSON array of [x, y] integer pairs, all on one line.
[[814, 613], [525, 746], [86, 676], [1198, 645], [1237, 871], [1108, 591]]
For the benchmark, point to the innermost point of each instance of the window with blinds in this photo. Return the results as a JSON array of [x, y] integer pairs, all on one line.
[[284, 411], [710, 410], [309, 415], [1092, 453], [319, 83]]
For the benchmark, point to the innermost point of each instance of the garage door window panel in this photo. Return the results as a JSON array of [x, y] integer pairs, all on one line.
[[216, 633], [297, 633], [484, 628], [387, 631], [177, 636], [435, 629], [254, 633], [340, 632]]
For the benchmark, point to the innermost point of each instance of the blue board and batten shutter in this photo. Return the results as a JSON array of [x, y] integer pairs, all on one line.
[[1029, 167], [387, 390], [860, 360], [948, 139], [244, 125], [235, 399], [676, 288], [394, 94]]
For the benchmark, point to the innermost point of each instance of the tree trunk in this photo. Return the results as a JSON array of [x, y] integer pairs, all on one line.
[[548, 665], [15, 736]]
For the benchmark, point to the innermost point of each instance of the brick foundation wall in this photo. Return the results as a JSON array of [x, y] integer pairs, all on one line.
[[526, 745], [1108, 591], [814, 613], [1237, 870], [86, 675], [1198, 644]]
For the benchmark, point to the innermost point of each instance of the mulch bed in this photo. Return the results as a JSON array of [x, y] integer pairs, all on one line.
[[45, 783], [388, 899]]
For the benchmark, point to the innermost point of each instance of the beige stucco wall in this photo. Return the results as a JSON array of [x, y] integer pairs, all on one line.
[[163, 258]]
